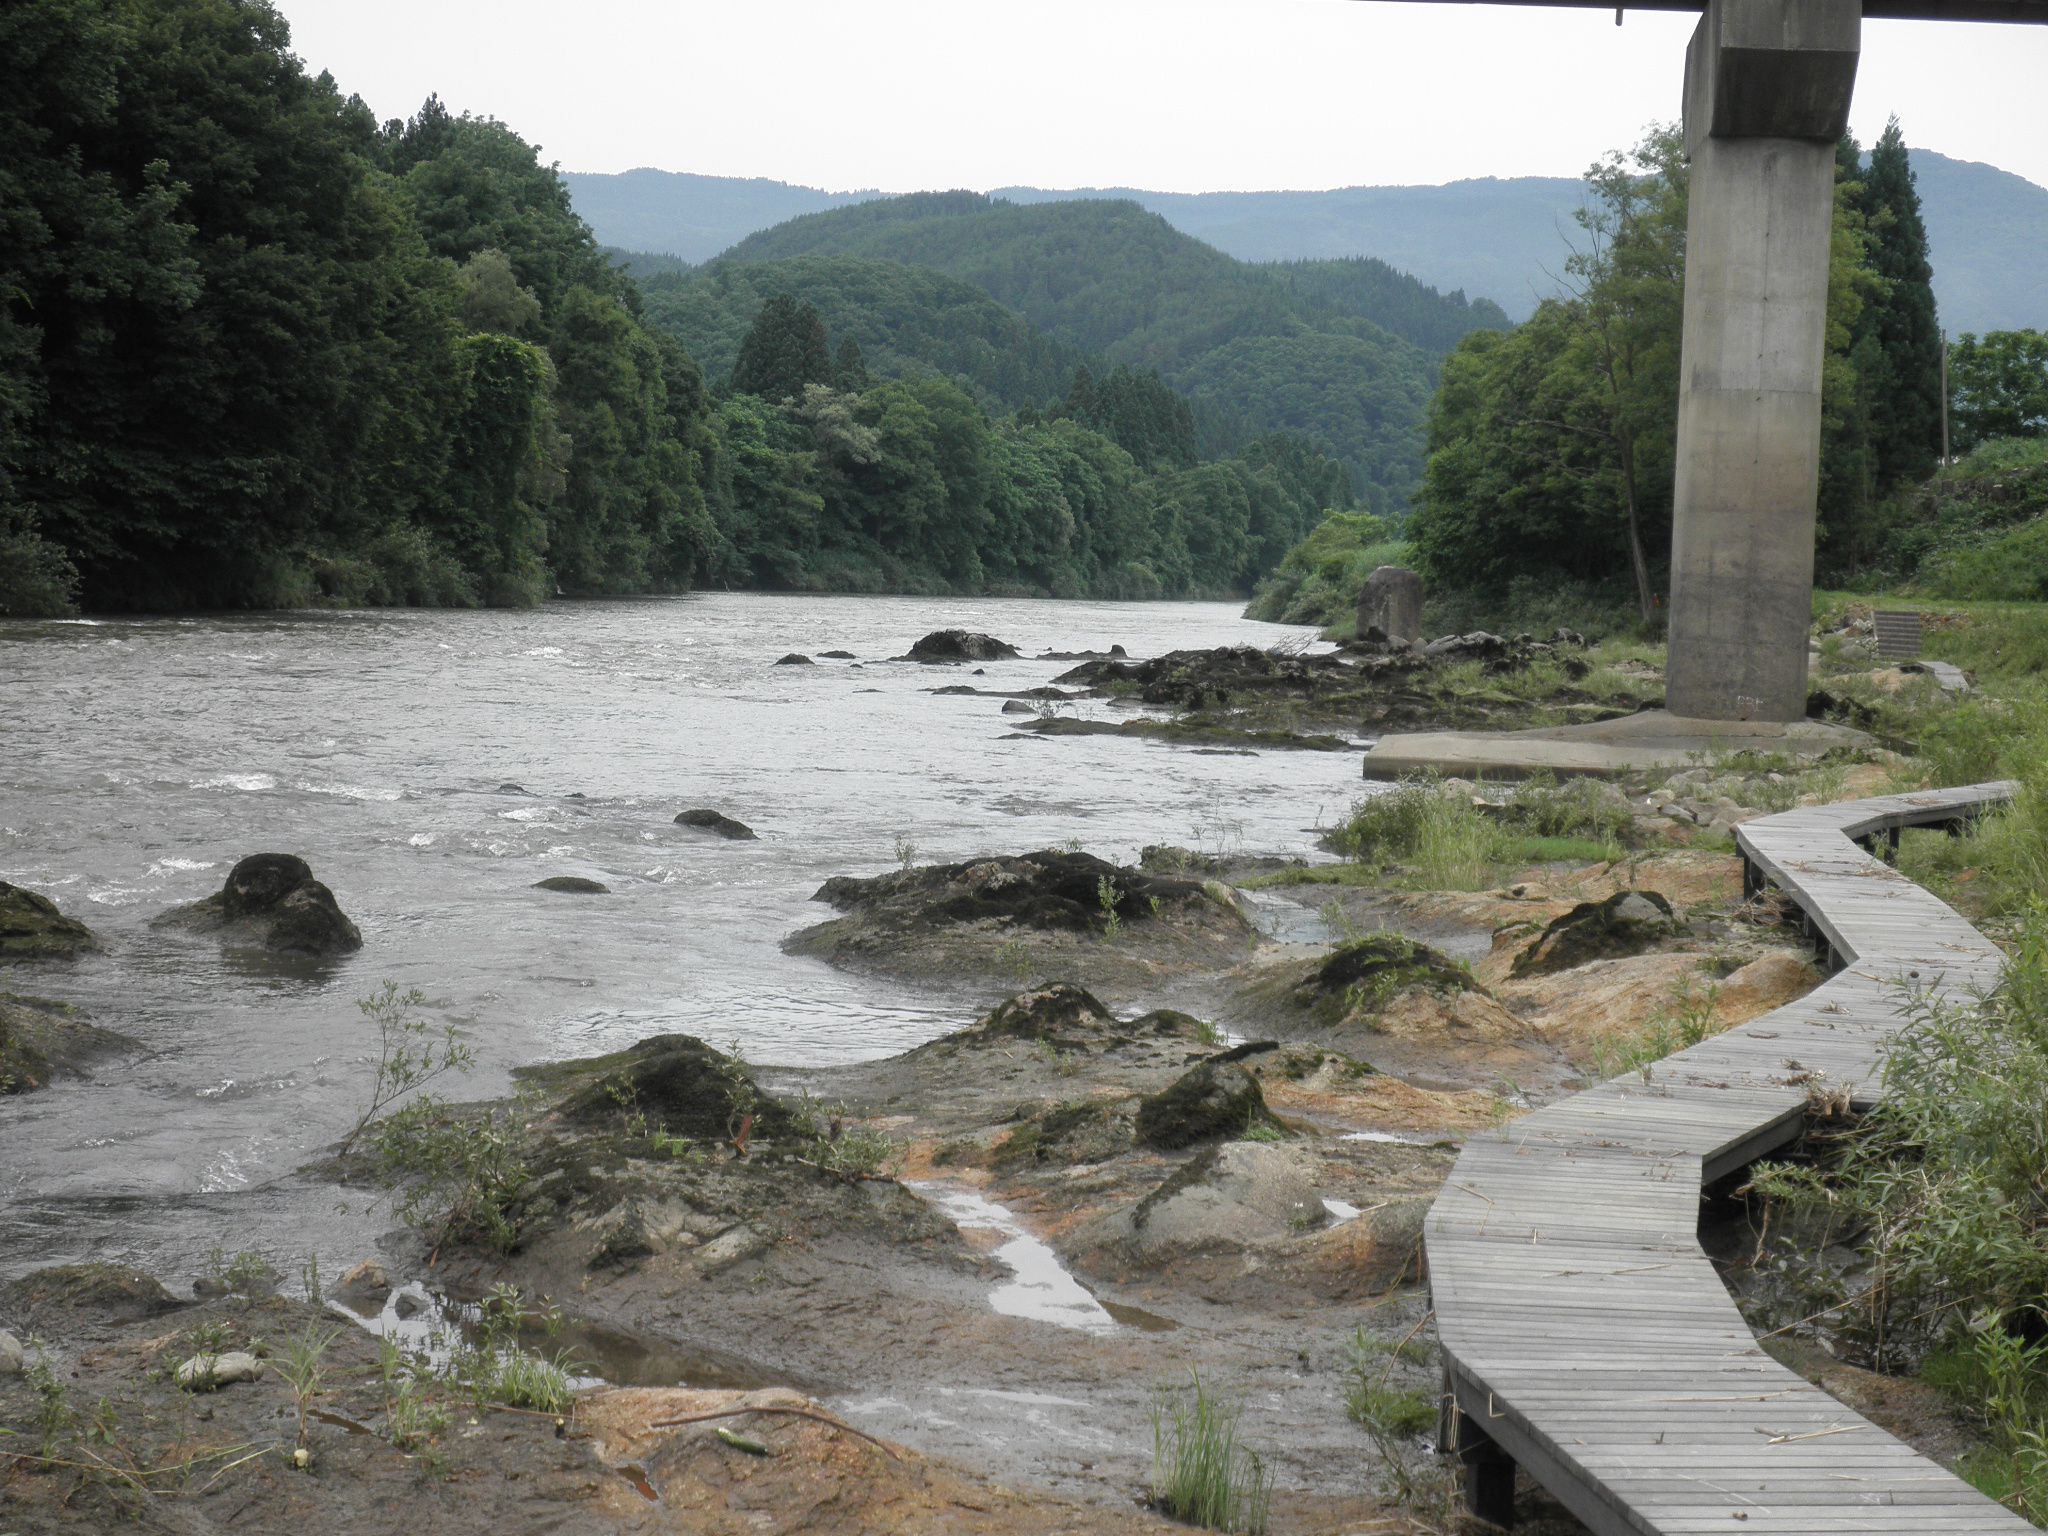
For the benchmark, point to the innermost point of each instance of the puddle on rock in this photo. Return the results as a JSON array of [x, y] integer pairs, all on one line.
[[1041, 1289], [1340, 1210], [635, 1474], [1137, 1317]]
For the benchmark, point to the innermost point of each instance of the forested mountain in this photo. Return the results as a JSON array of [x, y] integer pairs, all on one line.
[[904, 320], [1504, 240], [1342, 352]]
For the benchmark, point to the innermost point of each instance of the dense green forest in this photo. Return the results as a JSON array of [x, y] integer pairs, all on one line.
[[257, 348], [1343, 352]]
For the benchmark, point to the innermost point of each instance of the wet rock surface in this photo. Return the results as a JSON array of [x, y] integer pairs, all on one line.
[[573, 885], [32, 927], [41, 1041], [960, 645], [704, 819], [272, 901]]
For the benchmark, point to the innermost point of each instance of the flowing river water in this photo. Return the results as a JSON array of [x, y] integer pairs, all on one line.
[[140, 758]]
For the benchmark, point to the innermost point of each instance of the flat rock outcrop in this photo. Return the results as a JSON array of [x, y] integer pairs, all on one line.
[[1054, 910], [272, 901]]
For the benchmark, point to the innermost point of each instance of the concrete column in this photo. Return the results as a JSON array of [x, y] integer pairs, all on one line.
[[1767, 94]]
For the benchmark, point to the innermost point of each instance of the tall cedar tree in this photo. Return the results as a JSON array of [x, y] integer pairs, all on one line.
[[785, 350], [1905, 404]]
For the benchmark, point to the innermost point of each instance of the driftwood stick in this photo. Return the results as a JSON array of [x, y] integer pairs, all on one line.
[[801, 1413]]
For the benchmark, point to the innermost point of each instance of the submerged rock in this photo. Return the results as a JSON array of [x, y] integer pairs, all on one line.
[[1626, 923], [837, 655], [706, 820], [272, 899], [41, 1040], [31, 927], [576, 885], [961, 645], [1017, 707], [795, 659], [1211, 1099]]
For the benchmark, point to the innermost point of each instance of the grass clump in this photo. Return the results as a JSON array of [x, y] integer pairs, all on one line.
[[1431, 838], [1201, 1472], [1689, 1017]]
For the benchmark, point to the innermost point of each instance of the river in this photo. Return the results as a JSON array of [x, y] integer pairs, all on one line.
[[140, 758]]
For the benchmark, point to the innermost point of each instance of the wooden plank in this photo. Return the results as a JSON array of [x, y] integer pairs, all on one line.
[[1582, 1327]]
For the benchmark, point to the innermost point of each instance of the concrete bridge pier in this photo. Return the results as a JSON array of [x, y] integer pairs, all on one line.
[[1767, 91]]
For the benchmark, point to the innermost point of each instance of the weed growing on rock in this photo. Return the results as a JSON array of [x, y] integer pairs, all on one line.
[[300, 1364], [410, 1053], [1201, 1472], [1395, 1418], [54, 1414], [1109, 898], [846, 1149], [457, 1173], [906, 853]]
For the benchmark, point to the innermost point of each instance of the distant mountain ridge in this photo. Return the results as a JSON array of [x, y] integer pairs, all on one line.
[[1495, 239]]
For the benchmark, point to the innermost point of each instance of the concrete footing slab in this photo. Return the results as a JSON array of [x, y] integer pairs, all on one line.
[[1653, 738]]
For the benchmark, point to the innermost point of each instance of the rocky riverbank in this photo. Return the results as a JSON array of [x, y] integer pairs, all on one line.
[[1191, 1137]]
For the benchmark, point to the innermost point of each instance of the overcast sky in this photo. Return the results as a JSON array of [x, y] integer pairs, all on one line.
[[1172, 95]]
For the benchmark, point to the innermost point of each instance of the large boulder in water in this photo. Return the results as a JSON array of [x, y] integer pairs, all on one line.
[[31, 927], [961, 645], [706, 820], [273, 901]]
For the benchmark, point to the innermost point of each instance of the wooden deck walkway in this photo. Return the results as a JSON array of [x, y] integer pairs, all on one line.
[[1585, 1334]]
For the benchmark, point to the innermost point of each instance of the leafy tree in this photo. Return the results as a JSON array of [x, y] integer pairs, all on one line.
[[2000, 385], [785, 349]]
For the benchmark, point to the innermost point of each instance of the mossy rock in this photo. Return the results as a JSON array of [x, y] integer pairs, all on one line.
[[32, 928], [1078, 1131], [1626, 923], [1371, 972], [1210, 1101], [677, 1081], [114, 1291]]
